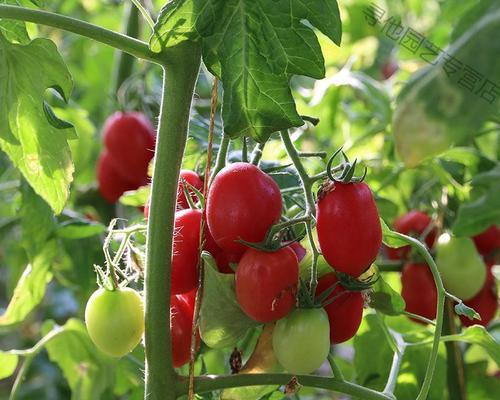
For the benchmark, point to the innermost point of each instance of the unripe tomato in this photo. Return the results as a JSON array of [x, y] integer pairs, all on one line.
[[111, 184], [115, 320], [348, 225], [194, 180], [266, 283], [185, 253], [130, 140], [413, 223], [419, 290], [345, 312], [485, 302], [461, 267], [488, 241], [301, 340], [181, 328], [243, 203]]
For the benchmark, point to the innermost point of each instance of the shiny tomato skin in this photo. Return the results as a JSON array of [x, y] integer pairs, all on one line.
[[181, 323], [345, 312], [485, 302], [115, 320], [243, 203], [194, 180], [110, 182], [413, 223], [266, 283], [185, 255], [130, 140], [488, 241], [419, 290], [301, 340], [222, 258], [348, 225]]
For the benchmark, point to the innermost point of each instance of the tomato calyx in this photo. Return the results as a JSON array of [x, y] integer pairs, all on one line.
[[344, 172], [187, 188]]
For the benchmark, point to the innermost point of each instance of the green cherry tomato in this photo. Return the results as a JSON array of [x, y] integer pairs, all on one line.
[[305, 264], [461, 267], [115, 320], [301, 340]]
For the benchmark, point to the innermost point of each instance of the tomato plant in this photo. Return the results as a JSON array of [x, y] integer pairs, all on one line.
[[295, 161], [115, 320]]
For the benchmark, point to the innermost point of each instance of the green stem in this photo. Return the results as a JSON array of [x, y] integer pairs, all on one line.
[[221, 155], [117, 40], [179, 80], [454, 359], [257, 153], [205, 384], [396, 364], [124, 61], [431, 364], [337, 373]]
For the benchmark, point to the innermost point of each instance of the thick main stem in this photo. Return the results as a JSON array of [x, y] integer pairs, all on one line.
[[179, 80]]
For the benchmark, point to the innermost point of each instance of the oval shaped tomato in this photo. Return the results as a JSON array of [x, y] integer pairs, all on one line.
[[181, 328], [413, 223], [130, 140], [185, 252], [345, 312], [461, 267], [115, 320], [301, 340], [194, 180], [110, 183], [419, 290], [488, 241], [485, 302], [348, 225], [243, 203], [266, 283]]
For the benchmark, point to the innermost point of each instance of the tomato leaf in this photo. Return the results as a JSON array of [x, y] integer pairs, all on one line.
[[254, 47], [477, 334], [222, 322], [385, 299], [38, 149], [390, 238], [88, 371], [484, 208], [439, 108], [30, 288], [12, 30], [136, 198], [79, 228], [8, 364]]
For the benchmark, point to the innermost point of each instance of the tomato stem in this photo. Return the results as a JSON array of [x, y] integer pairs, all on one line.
[[257, 153], [221, 156], [178, 84], [337, 373]]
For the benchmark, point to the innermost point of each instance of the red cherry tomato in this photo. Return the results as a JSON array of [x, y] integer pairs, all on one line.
[[181, 320], [185, 255], [222, 258], [485, 302], [111, 184], [130, 140], [348, 226], [419, 290], [243, 203], [488, 241], [345, 312], [194, 180], [266, 283], [413, 223]]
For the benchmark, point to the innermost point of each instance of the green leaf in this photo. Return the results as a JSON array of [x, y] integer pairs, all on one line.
[[8, 364], [222, 322], [481, 384], [136, 198], [13, 31], [79, 229], [38, 149], [462, 309], [484, 210], [254, 47], [391, 238], [478, 335], [385, 299], [436, 111], [472, 15], [30, 288], [89, 372]]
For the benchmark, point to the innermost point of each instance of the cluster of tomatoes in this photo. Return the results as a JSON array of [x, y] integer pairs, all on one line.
[[129, 143], [465, 265]]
